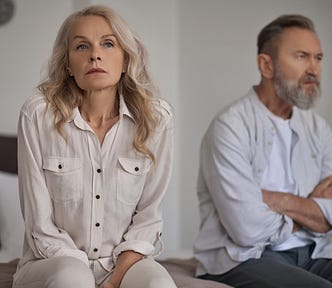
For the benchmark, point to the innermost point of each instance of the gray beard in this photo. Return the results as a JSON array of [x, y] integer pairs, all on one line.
[[293, 93]]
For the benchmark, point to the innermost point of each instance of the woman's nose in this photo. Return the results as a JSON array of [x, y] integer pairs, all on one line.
[[93, 58]]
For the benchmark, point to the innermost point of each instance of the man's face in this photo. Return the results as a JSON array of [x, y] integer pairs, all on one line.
[[297, 69]]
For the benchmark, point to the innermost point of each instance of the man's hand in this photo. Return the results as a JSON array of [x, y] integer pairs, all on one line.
[[296, 227], [323, 189]]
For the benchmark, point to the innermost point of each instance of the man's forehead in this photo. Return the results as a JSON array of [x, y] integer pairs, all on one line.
[[300, 39]]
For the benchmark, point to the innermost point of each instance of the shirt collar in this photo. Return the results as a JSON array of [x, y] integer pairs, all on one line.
[[81, 123], [123, 108]]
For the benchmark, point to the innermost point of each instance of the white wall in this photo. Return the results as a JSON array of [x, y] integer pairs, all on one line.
[[217, 64], [202, 54], [26, 42]]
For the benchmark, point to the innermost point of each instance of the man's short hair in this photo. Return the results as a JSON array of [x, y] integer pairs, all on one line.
[[268, 37]]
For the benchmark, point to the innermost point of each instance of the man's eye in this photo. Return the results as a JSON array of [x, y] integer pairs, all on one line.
[[301, 56]]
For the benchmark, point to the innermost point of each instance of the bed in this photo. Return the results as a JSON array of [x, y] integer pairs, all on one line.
[[11, 240]]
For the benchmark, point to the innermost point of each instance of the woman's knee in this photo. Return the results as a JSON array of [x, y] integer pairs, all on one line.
[[70, 272], [161, 282], [155, 276]]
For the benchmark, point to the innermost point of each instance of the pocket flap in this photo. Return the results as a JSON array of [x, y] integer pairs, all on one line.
[[62, 164], [135, 166]]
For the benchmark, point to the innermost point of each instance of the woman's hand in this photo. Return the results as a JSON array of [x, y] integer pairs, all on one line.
[[109, 285], [125, 261]]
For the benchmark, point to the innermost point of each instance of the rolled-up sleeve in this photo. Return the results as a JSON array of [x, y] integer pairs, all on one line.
[[326, 207], [325, 204]]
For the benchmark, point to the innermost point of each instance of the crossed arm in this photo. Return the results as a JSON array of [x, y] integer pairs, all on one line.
[[305, 212]]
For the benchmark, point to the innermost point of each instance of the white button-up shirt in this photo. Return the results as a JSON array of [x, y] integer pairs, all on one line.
[[89, 201], [236, 224]]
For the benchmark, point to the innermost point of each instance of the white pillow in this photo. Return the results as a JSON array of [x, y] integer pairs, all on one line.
[[11, 220]]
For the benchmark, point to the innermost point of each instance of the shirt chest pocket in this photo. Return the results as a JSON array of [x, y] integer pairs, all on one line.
[[131, 178], [64, 178]]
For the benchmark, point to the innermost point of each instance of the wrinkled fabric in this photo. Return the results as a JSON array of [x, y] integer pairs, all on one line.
[[85, 200], [236, 225]]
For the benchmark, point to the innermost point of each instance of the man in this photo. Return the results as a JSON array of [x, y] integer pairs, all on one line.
[[264, 183]]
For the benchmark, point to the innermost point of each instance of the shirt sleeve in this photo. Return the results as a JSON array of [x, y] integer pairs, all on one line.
[[146, 227], [226, 164], [325, 204], [44, 238]]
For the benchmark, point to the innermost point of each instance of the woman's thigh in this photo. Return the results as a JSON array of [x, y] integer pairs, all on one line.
[[147, 273], [57, 272]]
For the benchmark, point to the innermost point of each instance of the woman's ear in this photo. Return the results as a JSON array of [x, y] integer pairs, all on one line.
[[125, 65], [69, 72], [265, 65]]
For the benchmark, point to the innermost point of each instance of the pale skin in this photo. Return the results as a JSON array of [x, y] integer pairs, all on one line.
[[299, 53], [96, 61]]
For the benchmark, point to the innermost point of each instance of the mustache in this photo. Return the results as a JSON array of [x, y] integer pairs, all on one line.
[[311, 78]]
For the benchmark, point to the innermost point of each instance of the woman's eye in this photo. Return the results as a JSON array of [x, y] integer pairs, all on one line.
[[108, 44], [82, 47]]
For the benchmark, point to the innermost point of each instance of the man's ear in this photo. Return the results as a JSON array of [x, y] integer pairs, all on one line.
[[265, 65]]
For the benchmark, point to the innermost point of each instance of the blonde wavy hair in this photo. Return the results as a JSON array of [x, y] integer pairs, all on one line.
[[136, 85]]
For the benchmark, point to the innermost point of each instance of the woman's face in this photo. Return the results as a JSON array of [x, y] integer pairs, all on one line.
[[96, 60]]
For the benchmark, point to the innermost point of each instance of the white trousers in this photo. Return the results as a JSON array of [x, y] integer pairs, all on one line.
[[68, 272]]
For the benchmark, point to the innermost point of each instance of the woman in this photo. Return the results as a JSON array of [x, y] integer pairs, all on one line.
[[95, 151]]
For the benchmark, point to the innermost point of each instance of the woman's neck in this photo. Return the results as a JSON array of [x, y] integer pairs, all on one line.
[[98, 107], [101, 112]]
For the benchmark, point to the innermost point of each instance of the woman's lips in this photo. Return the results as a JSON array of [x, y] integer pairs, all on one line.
[[96, 70]]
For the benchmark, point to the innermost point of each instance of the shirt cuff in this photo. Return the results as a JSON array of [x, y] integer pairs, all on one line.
[[325, 205], [142, 247]]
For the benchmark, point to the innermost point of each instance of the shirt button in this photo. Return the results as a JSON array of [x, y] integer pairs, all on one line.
[[136, 169], [98, 170], [95, 250], [98, 196], [97, 224], [60, 166]]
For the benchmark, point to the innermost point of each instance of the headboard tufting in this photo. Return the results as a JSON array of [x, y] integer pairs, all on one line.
[[8, 154]]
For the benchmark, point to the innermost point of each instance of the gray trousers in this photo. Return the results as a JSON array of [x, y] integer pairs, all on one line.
[[293, 268]]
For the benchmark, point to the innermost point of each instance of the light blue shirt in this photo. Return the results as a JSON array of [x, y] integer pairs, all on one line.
[[236, 224]]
